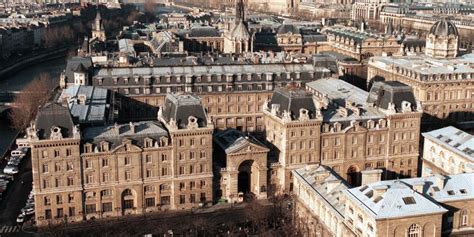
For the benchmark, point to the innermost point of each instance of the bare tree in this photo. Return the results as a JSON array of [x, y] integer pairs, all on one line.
[[150, 6], [30, 98]]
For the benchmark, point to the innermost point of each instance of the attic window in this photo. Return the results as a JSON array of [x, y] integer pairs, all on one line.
[[369, 194], [409, 200], [463, 191], [378, 199], [363, 188], [450, 192], [435, 188]]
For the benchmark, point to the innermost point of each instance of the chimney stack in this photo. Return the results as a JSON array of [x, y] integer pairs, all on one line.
[[371, 176]]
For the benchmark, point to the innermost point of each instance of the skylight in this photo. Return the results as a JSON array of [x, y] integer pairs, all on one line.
[[463, 191], [409, 200], [378, 199], [450, 192], [363, 188]]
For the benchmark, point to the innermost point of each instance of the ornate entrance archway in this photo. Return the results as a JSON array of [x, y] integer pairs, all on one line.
[[244, 178]]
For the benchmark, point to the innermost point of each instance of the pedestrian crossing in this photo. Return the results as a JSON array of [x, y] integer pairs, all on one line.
[[9, 229]]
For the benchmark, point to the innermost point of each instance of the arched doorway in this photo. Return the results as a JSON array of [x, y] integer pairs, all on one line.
[[128, 201], [353, 176], [244, 177]]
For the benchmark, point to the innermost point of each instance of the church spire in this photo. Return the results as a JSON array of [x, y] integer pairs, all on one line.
[[239, 11]]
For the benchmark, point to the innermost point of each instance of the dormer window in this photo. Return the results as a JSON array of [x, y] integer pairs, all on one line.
[[148, 142], [88, 148], [104, 146]]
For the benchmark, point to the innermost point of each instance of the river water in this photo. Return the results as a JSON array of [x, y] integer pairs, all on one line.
[[20, 80]]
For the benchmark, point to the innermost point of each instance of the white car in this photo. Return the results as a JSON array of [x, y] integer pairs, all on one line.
[[20, 219], [14, 161], [10, 169], [18, 153]]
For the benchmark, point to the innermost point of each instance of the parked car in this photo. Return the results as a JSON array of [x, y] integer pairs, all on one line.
[[6, 177], [20, 219], [14, 161], [28, 210], [10, 169], [18, 153]]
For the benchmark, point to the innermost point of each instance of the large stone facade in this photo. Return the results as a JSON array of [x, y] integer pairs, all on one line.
[[121, 169], [330, 133]]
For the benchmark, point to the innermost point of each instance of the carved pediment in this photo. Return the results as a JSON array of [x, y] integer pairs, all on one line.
[[250, 147]]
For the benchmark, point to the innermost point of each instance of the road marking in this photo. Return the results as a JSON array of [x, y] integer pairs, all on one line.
[[9, 229]]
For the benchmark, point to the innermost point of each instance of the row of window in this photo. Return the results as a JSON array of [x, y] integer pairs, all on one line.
[[56, 153]]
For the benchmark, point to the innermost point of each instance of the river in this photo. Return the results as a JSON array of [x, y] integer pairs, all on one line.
[[17, 82]]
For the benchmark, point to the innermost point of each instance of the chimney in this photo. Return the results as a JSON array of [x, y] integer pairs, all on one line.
[[132, 127], [371, 176], [418, 187], [439, 181], [117, 128], [82, 99], [379, 190]]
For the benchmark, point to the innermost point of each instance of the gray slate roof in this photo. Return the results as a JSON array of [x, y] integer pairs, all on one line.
[[384, 92], [292, 99], [54, 115], [232, 140], [180, 107]]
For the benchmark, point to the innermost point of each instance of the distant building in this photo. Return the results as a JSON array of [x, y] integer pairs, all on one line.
[[447, 151], [98, 31], [441, 80]]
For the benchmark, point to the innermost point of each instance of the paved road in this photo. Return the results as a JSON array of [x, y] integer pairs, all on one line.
[[14, 199]]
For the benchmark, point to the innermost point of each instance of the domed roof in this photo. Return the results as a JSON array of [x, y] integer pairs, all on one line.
[[240, 32], [444, 28], [286, 28]]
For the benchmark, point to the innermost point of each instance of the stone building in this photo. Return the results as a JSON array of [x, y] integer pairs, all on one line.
[[319, 206], [343, 127], [443, 85], [427, 206], [98, 31], [362, 45], [233, 94], [238, 40], [121, 169], [240, 165], [447, 151]]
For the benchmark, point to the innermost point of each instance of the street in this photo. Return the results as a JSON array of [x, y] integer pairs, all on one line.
[[14, 198]]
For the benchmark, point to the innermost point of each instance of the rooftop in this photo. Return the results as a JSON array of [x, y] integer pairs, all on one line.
[[392, 199], [87, 104], [456, 140]]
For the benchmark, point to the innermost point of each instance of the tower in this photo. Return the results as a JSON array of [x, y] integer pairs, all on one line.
[[443, 40], [238, 39], [98, 31]]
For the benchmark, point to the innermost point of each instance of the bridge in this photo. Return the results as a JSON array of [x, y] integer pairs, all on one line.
[[7, 97]]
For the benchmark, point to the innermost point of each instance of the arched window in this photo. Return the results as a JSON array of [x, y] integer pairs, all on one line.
[[414, 231], [464, 218]]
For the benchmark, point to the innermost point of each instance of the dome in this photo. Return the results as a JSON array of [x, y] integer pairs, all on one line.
[[444, 28], [240, 32]]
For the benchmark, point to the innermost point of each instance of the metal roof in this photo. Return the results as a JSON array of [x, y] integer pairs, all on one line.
[[456, 140]]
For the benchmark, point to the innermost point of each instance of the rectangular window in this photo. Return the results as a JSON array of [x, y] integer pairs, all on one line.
[[149, 173], [164, 157], [182, 199], [88, 164], [128, 204], [127, 161], [203, 197], [90, 208], [150, 202], [69, 166], [57, 167], [105, 162], [181, 170], [68, 152], [70, 181], [45, 168], [164, 171], [148, 158], [72, 211], [105, 177], [47, 214], [107, 207], [128, 175], [165, 200], [56, 153], [59, 213], [192, 198]]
